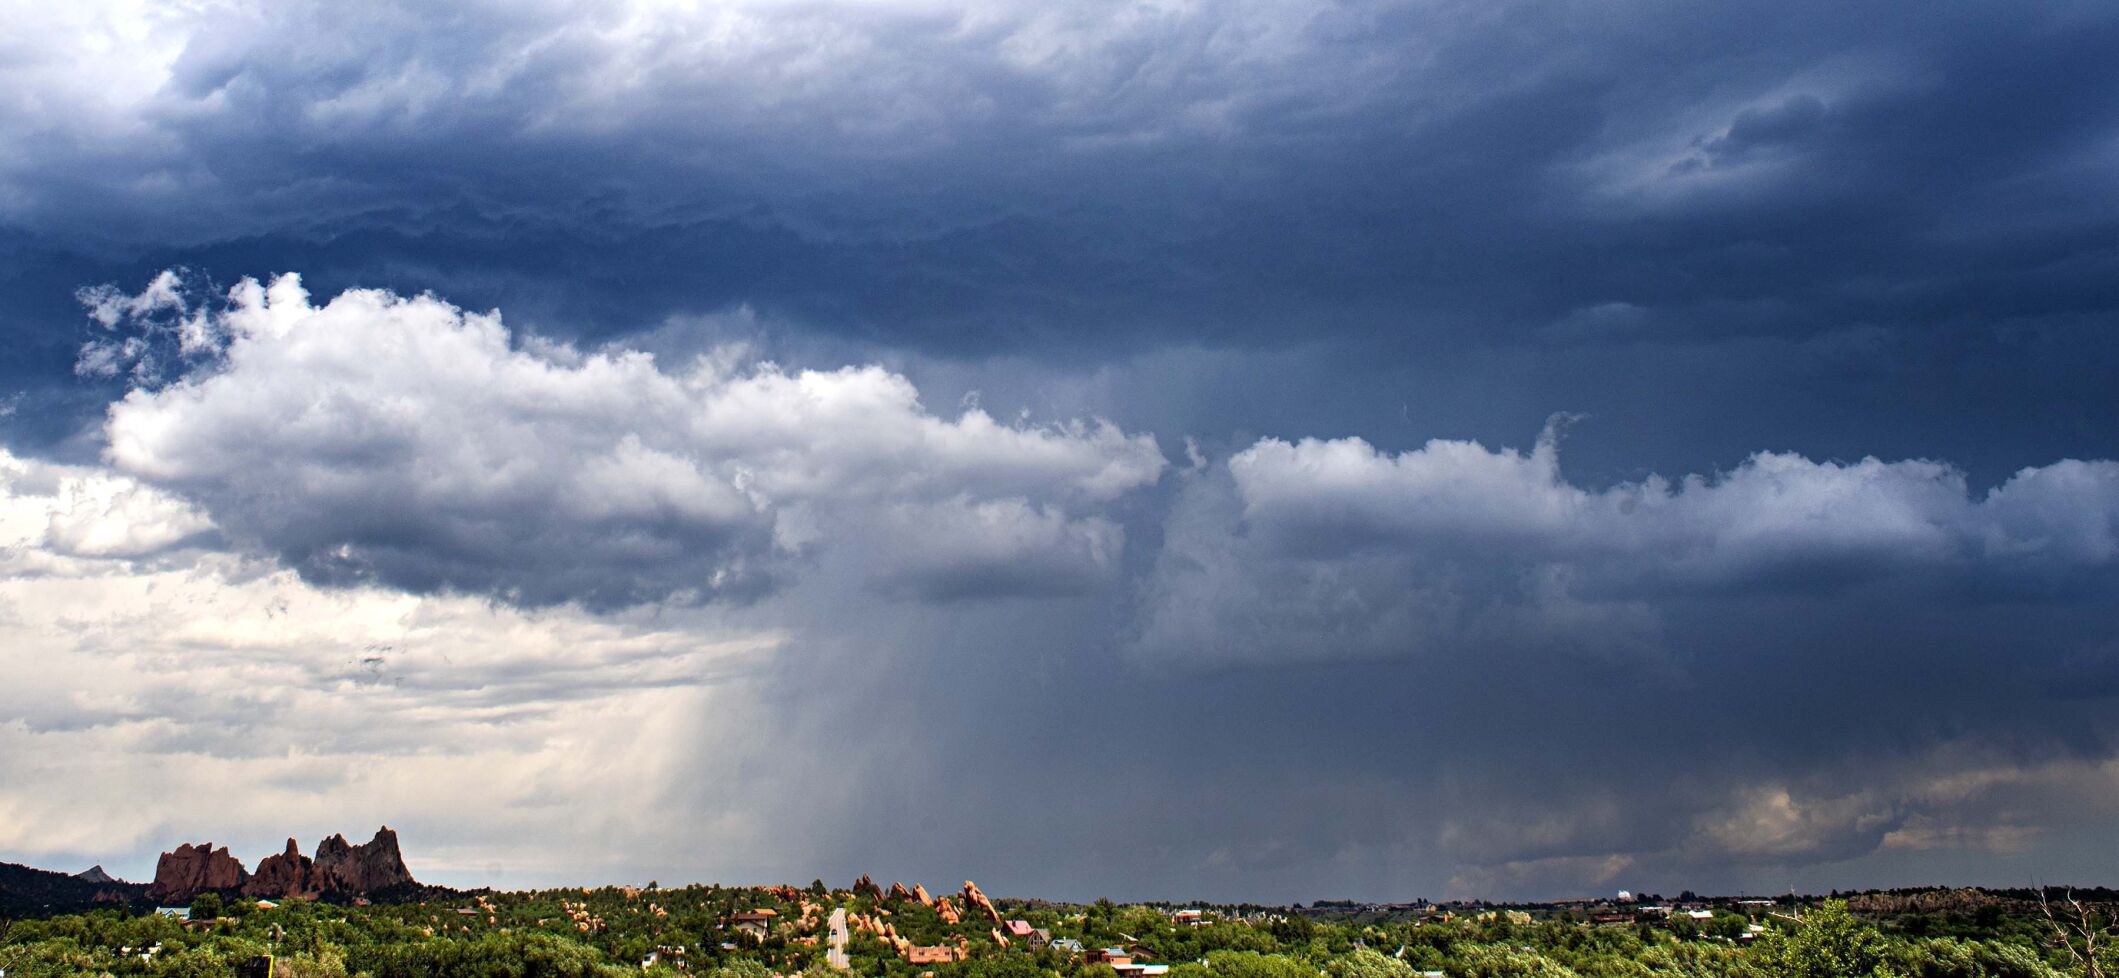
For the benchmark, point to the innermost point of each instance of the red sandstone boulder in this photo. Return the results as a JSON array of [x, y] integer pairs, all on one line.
[[975, 899]]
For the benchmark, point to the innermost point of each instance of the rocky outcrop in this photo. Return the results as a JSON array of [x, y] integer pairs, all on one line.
[[340, 869], [867, 887], [948, 911], [899, 894], [289, 874], [367, 869], [95, 874], [195, 869], [975, 900], [920, 893]]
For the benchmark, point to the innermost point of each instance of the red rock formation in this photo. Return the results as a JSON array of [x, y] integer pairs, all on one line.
[[898, 892], [867, 887], [920, 893], [974, 898], [948, 911], [192, 870], [365, 869], [289, 874]]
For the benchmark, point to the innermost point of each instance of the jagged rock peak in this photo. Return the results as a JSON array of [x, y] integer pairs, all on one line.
[[339, 869], [288, 874], [364, 869], [95, 874], [194, 869]]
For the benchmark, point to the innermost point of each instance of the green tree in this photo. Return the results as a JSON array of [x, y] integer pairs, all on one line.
[[1952, 958], [744, 968], [1828, 942], [1365, 962], [1251, 964], [1493, 961]]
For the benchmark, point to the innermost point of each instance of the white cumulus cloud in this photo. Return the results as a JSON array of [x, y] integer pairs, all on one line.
[[406, 441]]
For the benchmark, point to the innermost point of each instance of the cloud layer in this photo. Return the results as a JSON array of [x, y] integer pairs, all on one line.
[[384, 523], [1005, 176], [1329, 548], [815, 311], [402, 441]]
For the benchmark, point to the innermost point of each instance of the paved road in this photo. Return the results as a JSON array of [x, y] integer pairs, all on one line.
[[836, 957]]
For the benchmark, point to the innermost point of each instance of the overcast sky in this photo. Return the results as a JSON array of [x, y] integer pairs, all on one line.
[[1162, 450]]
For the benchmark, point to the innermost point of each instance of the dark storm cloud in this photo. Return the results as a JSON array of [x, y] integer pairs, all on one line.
[[1744, 742], [994, 177], [1757, 246], [1450, 667], [1661, 219]]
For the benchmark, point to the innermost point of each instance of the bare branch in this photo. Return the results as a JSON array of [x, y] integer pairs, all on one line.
[[2080, 933]]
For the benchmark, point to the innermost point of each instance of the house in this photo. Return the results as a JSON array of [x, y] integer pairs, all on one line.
[[1130, 970], [1189, 918], [937, 954], [1040, 937], [665, 952], [1019, 929], [1113, 956], [1700, 914], [755, 923], [1067, 944]]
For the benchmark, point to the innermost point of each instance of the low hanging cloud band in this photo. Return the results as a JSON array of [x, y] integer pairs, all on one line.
[[378, 469], [405, 442]]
